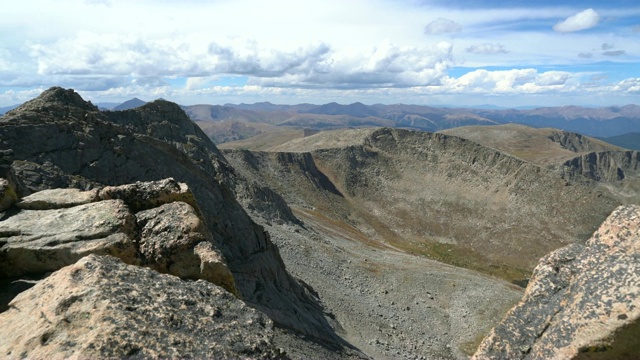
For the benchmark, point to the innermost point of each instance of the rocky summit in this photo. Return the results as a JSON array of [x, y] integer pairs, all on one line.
[[128, 234]]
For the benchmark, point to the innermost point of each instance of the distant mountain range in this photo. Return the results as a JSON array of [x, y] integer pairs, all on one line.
[[598, 122], [6, 109], [618, 125]]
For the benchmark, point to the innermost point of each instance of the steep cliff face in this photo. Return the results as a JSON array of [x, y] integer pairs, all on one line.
[[605, 166], [582, 301], [59, 140]]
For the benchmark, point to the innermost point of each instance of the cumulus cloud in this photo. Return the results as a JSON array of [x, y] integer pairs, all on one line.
[[614, 53], [581, 21], [487, 48], [607, 46], [585, 55], [385, 66], [442, 26], [123, 58], [515, 81]]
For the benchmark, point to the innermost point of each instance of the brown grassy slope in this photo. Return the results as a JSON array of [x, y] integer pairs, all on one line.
[[540, 146], [227, 131], [437, 195], [265, 140]]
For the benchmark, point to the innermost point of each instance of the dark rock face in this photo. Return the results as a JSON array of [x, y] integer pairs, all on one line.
[[59, 140], [102, 308], [605, 166], [582, 301]]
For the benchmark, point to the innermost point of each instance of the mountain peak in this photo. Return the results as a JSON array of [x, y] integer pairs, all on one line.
[[65, 97], [130, 104]]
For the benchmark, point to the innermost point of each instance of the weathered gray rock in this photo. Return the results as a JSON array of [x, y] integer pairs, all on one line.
[[604, 165], [57, 199], [146, 195], [582, 301], [59, 140], [102, 308], [57, 227], [174, 240], [7, 195], [36, 241]]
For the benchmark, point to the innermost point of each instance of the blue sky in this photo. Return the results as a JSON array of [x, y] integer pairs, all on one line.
[[433, 52]]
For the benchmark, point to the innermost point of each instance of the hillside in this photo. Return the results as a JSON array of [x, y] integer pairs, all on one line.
[[576, 156], [629, 141], [546, 146], [432, 194]]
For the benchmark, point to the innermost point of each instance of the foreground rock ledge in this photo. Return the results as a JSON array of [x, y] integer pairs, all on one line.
[[583, 302], [101, 307]]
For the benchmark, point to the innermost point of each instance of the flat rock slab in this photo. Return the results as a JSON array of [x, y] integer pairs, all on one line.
[[57, 199], [101, 308], [33, 241]]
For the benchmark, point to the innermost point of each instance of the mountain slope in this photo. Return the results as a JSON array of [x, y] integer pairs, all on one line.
[[433, 194], [129, 104], [59, 140], [541, 146]]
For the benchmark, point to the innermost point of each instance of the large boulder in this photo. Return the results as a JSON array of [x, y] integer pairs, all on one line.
[[583, 301], [173, 239], [101, 308], [37, 241], [145, 223]]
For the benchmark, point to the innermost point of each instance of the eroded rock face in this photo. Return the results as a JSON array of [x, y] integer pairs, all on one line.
[[58, 140], [174, 240], [582, 301], [55, 228], [101, 308]]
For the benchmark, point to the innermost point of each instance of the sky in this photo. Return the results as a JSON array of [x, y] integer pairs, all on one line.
[[425, 52]]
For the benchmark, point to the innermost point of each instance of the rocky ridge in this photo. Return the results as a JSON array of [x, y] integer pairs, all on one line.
[[60, 141], [433, 194]]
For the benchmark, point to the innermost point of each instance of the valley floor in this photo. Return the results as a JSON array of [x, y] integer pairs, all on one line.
[[388, 304]]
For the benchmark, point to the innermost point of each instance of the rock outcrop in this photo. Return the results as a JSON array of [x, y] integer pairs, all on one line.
[[59, 141], [604, 166], [100, 307], [582, 302], [143, 223]]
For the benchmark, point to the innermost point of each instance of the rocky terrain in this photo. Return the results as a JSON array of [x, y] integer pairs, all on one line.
[[130, 234], [575, 156], [441, 196], [582, 301]]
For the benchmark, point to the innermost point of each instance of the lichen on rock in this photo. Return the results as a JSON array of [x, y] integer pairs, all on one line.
[[582, 301]]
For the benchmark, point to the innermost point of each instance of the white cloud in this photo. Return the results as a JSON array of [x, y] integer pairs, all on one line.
[[583, 20], [487, 48], [385, 66], [516, 81], [442, 26]]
